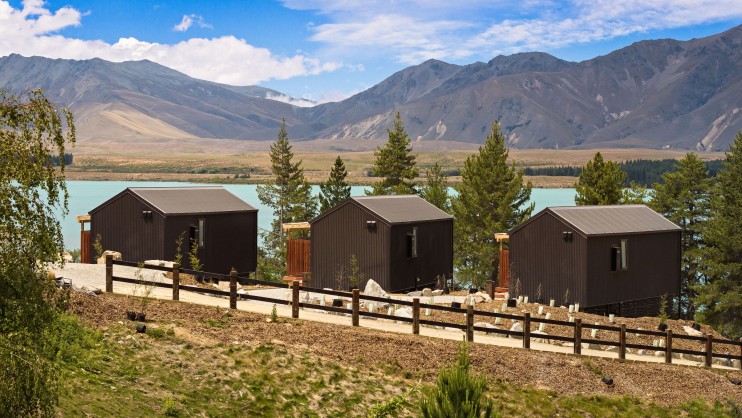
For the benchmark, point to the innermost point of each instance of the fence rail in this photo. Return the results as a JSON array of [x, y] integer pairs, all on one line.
[[354, 312]]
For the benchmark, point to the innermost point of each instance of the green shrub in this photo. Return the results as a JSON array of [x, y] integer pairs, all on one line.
[[457, 393]]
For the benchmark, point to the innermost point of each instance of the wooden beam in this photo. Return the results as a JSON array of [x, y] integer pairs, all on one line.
[[295, 225]]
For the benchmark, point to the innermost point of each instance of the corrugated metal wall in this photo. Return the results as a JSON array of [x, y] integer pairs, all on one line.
[[434, 255], [231, 240], [540, 255], [122, 228], [342, 233], [653, 268]]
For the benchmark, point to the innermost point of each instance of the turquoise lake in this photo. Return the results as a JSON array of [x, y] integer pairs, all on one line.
[[86, 195]]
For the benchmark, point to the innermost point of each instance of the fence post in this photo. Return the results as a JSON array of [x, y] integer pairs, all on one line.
[[109, 273], [356, 306], [176, 281], [578, 336], [295, 299], [740, 354], [233, 289], [470, 323], [709, 350], [491, 289], [416, 315], [527, 330], [622, 342], [668, 346]]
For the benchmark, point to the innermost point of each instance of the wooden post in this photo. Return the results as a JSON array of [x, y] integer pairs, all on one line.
[[668, 346], [416, 315], [176, 281], [527, 330], [491, 288], [622, 342], [295, 299], [578, 336], [470, 323], [740, 354], [709, 350], [109, 273], [356, 306], [233, 289]]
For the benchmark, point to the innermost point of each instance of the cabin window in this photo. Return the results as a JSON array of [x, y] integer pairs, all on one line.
[[201, 223], [620, 256], [412, 243]]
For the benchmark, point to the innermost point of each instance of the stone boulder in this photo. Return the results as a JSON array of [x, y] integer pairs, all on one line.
[[159, 263], [437, 292], [692, 332], [416, 293], [373, 289], [116, 256], [485, 297], [428, 292], [404, 312], [516, 327]]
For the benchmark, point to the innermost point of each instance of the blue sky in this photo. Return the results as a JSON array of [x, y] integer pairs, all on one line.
[[327, 50]]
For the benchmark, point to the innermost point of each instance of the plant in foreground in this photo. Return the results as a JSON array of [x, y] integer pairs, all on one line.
[[457, 393]]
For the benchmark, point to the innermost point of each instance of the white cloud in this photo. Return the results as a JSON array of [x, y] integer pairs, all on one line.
[[414, 30], [33, 30], [189, 20], [290, 100]]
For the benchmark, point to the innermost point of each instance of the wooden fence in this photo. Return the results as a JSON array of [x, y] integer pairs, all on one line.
[[355, 298]]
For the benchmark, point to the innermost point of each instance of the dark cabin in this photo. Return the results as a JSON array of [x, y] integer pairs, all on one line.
[[401, 242], [612, 259], [144, 223]]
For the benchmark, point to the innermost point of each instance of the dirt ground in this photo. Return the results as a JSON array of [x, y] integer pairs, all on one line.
[[423, 357]]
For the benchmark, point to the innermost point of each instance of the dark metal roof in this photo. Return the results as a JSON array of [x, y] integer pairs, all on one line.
[[399, 209], [609, 220], [191, 200], [402, 209]]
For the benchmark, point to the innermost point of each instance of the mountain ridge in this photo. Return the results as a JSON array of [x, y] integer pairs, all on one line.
[[651, 94]]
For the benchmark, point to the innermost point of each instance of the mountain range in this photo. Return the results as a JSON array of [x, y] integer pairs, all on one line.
[[651, 94]]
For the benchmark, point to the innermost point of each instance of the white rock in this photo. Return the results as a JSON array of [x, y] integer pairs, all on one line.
[[612, 348], [437, 292], [484, 325], [693, 332], [67, 257], [116, 256], [484, 295], [159, 263], [517, 327], [659, 353], [373, 289], [641, 352], [415, 293], [242, 292], [427, 292], [404, 312]]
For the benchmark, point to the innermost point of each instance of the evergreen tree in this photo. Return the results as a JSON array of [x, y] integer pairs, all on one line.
[[634, 194], [600, 183], [684, 199], [719, 301], [457, 393], [436, 188], [336, 189], [491, 198], [290, 196], [32, 131], [395, 163]]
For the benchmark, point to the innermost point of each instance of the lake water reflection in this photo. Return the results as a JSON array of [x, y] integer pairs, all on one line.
[[86, 195]]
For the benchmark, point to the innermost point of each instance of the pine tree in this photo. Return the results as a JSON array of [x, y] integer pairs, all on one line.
[[395, 163], [600, 183], [336, 189], [290, 196], [491, 198], [436, 188], [684, 198], [457, 393], [719, 300]]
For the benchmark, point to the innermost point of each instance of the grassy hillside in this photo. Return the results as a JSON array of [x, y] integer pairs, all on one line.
[[201, 361]]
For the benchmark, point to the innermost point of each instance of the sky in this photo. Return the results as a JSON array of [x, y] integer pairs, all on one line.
[[328, 50]]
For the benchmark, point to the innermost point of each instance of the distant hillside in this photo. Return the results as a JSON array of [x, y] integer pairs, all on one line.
[[652, 94]]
